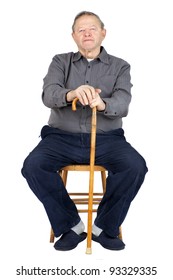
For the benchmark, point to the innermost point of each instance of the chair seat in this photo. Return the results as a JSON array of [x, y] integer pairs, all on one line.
[[83, 167]]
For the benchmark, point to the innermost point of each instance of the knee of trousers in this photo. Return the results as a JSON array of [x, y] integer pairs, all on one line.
[[138, 173], [142, 167], [32, 165], [138, 166]]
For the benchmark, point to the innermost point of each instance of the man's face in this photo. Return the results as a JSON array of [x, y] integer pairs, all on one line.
[[88, 34]]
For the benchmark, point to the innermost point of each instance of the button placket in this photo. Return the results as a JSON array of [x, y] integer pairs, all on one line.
[[88, 75]]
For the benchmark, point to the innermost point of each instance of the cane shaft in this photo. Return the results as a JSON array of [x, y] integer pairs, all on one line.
[[91, 180], [91, 177]]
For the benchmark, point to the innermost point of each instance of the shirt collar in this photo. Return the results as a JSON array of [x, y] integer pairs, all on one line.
[[103, 56]]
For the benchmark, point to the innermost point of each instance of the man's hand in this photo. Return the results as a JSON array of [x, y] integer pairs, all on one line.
[[87, 95]]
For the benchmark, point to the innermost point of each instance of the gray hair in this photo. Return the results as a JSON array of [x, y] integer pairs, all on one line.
[[83, 13]]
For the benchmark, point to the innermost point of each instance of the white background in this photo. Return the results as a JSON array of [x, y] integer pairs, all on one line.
[[32, 32]]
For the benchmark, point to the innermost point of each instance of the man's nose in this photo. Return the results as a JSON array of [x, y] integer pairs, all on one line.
[[87, 32]]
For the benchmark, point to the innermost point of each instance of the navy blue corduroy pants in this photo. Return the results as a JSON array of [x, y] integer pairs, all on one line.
[[57, 148]]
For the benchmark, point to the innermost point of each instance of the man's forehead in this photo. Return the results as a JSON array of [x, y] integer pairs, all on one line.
[[87, 20]]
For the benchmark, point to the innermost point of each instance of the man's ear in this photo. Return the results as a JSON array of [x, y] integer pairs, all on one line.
[[104, 33], [73, 36]]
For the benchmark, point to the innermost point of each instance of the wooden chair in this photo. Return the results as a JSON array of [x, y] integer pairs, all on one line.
[[91, 199], [81, 198]]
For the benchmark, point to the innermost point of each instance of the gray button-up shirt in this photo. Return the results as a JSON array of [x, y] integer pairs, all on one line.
[[71, 70]]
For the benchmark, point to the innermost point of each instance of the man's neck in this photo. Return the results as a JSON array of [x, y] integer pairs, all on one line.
[[90, 54]]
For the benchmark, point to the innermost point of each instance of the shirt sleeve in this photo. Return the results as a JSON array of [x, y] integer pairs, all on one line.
[[118, 104], [54, 92]]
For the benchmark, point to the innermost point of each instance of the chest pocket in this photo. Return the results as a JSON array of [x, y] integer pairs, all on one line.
[[106, 84]]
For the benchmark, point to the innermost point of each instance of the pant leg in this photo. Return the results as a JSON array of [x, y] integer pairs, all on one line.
[[54, 151], [126, 172]]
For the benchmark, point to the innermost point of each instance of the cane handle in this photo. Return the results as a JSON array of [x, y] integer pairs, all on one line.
[[74, 104]]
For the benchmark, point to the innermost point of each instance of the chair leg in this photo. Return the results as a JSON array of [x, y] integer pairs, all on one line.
[[63, 175], [90, 211], [120, 233], [52, 236], [103, 177]]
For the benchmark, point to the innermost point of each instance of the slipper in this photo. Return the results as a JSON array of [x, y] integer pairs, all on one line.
[[69, 240], [108, 242]]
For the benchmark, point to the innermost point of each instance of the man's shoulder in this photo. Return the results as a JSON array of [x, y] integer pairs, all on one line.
[[64, 55], [117, 59], [64, 59], [112, 58]]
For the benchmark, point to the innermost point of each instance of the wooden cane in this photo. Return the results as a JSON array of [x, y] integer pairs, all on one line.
[[91, 178]]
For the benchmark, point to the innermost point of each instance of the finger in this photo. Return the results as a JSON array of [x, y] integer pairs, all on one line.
[[94, 102], [98, 90], [94, 94], [90, 93], [83, 97]]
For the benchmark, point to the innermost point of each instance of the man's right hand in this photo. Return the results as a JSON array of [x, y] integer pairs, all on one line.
[[84, 93]]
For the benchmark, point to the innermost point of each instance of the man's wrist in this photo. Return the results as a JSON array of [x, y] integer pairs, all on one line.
[[69, 96], [101, 107]]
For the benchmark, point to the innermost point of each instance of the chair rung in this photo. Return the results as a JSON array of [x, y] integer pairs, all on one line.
[[85, 202], [78, 194], [86, 211], [86, 199]]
